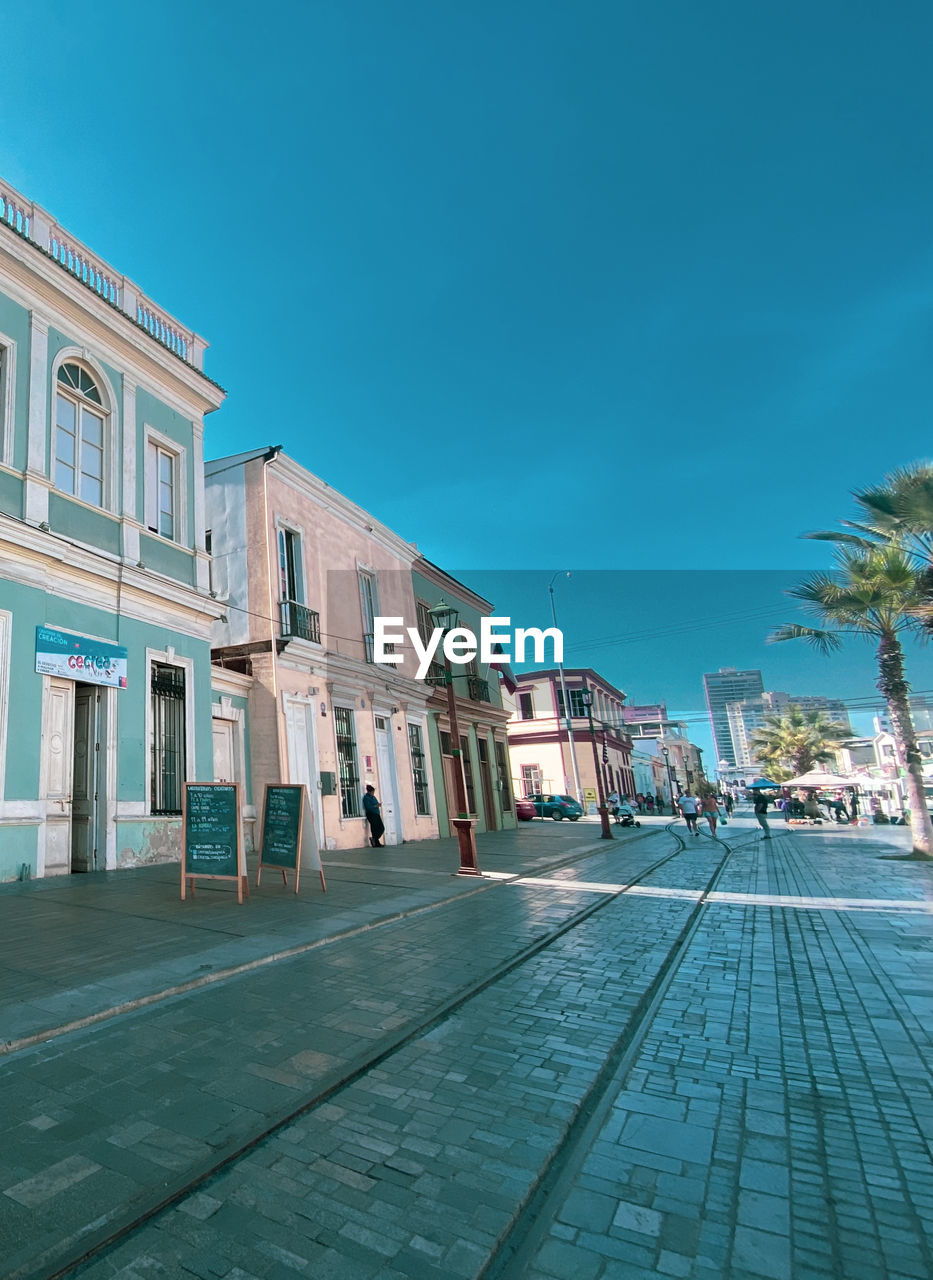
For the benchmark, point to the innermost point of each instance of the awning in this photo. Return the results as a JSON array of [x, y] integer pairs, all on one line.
[[819, 778]]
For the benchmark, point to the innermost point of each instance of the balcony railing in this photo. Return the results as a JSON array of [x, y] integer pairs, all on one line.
[[479, 689], [299, 622], [31, 222], [369, 646]]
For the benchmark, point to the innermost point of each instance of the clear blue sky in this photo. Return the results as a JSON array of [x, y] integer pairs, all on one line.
[[601, 284]]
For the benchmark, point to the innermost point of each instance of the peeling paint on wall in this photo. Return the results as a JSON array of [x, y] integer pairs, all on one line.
[[158, 843]]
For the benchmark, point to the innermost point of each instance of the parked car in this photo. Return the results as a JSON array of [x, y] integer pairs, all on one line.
[[557, 807], [525, 810]]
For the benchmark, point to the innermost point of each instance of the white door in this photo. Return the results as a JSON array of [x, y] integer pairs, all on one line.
[[85, 778], [223, 751], [58, 766], [388, 791], [302, 755]]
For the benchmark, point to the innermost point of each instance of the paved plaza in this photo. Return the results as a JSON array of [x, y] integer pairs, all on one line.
[[646, 1058]]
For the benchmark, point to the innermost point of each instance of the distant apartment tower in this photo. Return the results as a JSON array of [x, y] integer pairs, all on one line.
[[722, 687], [747, 716], [921, 712]]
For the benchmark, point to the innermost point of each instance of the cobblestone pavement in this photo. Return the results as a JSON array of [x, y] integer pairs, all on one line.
[[777, 1121], [761, 1108], [97, 1124]]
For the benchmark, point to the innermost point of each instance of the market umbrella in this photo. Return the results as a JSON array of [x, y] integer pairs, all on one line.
[[764, 784], [820, 778], [868, 783]]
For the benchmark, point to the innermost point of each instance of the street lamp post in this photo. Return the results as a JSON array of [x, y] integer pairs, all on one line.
[[670, 777], [446, 618], [602, 809], [563, 692]]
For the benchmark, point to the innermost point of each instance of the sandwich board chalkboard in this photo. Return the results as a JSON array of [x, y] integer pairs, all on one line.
[[287, 834], [212, 848]]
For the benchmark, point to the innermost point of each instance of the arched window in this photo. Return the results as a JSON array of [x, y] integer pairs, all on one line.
[[79, 435]]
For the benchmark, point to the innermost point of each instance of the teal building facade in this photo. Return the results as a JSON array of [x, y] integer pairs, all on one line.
[[105, 602]]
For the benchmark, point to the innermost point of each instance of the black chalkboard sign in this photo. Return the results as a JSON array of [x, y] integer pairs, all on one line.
[[211, 828], [280, 843], [283, 812]]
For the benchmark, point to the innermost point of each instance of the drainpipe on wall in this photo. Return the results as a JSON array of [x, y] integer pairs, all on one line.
[[271, 454]]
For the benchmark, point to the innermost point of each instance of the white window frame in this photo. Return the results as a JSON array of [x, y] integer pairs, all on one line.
[[168, 657], [534, 777], [426, 765], [286, 527], [6, 634], [7, 398], [156, 443], [365, 573], [107, 407], [339, 704]]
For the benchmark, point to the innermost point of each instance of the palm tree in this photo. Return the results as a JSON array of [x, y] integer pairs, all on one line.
[[875, 593], [898, 511], [791, 742]]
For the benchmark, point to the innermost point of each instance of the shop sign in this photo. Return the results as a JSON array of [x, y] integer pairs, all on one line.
[[59, 653]]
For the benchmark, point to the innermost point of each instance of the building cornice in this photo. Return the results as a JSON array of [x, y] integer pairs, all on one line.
[[584, 674], [319, 492], [447, 582], [234, 683], [33, 278], [470, 711], [367, 677], [59, 567]]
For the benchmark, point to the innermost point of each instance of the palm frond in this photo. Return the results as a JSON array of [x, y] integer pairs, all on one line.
[[849, 539], [826, 641]]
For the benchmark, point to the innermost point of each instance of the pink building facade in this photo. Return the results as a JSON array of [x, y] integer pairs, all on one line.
[[303, 573]]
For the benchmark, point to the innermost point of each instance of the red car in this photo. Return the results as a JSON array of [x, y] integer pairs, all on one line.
[[525, 810]]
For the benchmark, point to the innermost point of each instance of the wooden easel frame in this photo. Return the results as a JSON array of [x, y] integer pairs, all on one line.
[[188, 878], [282, 786], [303, 813]]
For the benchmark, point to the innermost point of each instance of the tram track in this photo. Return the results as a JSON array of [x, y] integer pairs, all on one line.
[[68, 1257], [530, 1225]]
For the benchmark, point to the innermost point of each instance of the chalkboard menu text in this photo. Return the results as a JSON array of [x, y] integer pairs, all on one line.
[[211, 829]]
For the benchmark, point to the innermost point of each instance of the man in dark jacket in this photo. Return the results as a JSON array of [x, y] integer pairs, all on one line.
[[372, 807], [761, 813]]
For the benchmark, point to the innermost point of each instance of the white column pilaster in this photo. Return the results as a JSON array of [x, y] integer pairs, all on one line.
[[129, 511], [37, 469], [203, 564]]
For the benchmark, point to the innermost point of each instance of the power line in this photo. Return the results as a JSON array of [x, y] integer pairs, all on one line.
[[681, 628]]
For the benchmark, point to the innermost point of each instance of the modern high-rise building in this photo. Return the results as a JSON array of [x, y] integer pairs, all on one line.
[[747, 716], [722, 687]]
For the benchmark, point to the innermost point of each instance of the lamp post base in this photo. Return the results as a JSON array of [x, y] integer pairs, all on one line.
[[466, 838], [606, 832]]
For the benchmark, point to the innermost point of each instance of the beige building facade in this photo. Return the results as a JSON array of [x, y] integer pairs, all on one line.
[[545, 757], [303, 573]]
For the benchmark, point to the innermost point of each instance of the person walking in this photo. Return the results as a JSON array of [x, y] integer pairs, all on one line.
[[709, 807], [659, 804], [689, 806], [729, 804], [612, 804], [372, 809], [761, 813]]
